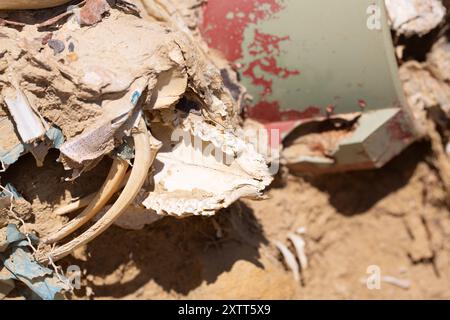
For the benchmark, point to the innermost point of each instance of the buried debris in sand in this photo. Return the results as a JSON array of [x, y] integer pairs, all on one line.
[[99, 80], [415, 17]]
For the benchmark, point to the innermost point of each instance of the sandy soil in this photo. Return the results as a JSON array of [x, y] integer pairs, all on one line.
[[394, 218]]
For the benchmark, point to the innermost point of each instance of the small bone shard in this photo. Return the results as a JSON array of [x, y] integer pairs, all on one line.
[[202, 153], [290, 260], [75, 205], [299, 245]]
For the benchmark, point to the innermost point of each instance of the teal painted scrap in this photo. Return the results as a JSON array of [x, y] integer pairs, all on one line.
[[17, 263]]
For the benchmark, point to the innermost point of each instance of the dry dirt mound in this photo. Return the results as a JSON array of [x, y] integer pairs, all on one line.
[[394, 218]]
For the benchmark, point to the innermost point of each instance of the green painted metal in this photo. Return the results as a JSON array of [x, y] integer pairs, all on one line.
[[307, 60], [338, 53], [344, 55]]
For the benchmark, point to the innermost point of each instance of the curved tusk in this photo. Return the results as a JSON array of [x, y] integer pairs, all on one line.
[[111, 185], [85, 201], [145, 153]]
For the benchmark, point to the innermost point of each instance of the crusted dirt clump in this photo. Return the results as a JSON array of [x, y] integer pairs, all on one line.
[[394, 220], [44, 186], [415, 17], [85, 80], [398, 221], [426, 84]]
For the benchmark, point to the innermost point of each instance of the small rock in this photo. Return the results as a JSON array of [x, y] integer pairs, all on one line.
[[57, 45]]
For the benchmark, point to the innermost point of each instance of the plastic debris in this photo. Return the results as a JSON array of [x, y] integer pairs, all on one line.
[[11, 146], [18, 263], [29, 125]]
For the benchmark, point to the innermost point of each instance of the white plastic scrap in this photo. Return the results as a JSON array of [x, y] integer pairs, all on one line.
[[29, 125]]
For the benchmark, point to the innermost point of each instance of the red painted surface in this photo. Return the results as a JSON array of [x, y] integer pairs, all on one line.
[[362, 103], [266, 48], [266, 112], [224, 25], [398, 130], [227, 34]]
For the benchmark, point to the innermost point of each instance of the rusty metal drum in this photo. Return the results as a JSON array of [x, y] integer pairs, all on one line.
[[312, 60]]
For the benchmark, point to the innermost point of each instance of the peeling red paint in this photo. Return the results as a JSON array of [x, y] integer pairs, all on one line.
[[225, 22], [267, 48], [269, 66], [224, 26], [330, 109], [270, 112], [362, 103], [398, 130], [266, 43]]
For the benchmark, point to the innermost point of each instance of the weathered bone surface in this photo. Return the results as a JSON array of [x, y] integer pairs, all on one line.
[[88, 92], [427, 84], [94, 75], [204, 171], [415, 17]]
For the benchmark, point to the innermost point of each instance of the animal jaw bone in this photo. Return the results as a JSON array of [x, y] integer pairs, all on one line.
[[217, 169], [146, 148]]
